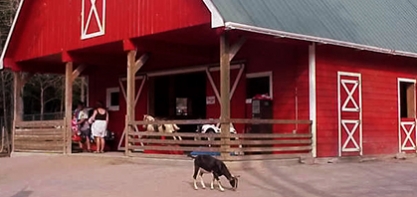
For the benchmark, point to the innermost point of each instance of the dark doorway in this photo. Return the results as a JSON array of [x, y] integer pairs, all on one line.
[[181, 96]]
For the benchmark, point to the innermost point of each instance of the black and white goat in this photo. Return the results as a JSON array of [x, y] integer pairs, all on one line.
[[207, 164]]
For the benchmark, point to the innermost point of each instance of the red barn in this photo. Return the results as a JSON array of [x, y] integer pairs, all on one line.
[[348, 67]]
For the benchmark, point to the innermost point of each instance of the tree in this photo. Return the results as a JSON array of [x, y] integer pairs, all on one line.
[[7, 12], [44, 88]]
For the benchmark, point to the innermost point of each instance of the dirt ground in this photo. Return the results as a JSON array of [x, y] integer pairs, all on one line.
[[65, 176]]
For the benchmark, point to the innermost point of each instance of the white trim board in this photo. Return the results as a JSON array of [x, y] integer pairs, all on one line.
[[216, 18], [312, 96], [12, 28]]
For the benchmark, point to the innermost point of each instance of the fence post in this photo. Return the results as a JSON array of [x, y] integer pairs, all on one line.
[[127, 136]]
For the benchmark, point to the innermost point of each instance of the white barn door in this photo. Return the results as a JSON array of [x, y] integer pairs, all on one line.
[[407, 114], [349, 113]]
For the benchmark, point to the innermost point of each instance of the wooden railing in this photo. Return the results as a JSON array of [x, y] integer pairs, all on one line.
[[39, 136], [244, 146]]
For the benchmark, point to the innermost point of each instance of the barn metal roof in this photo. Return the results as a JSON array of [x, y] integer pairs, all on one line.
[[387, 26]]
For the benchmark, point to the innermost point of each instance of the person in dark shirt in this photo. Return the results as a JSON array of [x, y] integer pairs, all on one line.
[[99, 120]]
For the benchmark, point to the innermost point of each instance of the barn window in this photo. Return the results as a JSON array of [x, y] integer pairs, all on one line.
[[407, 100], [258, 83], [112, 99]]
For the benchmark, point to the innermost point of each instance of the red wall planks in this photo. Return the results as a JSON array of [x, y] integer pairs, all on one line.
[[47, 27], [379, 97]]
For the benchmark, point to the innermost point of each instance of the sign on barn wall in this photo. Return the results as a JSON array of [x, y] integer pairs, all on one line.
[[210, 100], [93, 18]]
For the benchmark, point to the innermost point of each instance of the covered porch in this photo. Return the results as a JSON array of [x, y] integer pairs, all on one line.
[[129, 64]]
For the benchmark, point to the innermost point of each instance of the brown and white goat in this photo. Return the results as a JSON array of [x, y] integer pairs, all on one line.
[[164, 128], [207, 164]]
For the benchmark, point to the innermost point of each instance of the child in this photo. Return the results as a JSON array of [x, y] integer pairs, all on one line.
[[74, 128], [74, 125]]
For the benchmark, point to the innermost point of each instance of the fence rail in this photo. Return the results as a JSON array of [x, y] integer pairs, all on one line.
[[39, 136], [277, 142]]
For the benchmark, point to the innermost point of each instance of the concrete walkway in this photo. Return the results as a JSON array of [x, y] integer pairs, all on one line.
[[69, 176]]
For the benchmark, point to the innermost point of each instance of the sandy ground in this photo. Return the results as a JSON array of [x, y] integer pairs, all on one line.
[[47, 176]]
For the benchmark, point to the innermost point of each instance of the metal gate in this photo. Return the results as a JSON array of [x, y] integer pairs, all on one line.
[[349, 113]]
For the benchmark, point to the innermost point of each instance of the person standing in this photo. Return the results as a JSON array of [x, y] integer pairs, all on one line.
[[99, 120], [83, 125]]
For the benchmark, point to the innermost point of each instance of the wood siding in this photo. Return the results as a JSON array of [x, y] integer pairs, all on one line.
[[379, 97], [47, 27]]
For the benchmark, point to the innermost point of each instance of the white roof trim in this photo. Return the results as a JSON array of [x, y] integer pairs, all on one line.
[[232, 25], [216, 18], [6, 45]]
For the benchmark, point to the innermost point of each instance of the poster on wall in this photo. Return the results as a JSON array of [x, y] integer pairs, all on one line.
[[210, 100]]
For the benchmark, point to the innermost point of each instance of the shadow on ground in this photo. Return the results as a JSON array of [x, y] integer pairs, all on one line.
[[275, 180], [23, 193]]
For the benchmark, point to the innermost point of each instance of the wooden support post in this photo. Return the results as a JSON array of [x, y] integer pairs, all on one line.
[[130, 97], [133, 66], [68, 106], [19, 80], [17, 107], [82, 94], [224, 94]]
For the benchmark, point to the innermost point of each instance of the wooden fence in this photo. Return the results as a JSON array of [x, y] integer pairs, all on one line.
[[243, 146], [39, 136]]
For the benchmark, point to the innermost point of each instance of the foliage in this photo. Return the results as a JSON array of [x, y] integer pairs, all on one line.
[[7, 11]]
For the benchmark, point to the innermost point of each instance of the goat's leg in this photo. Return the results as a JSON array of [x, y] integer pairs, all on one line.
[[218, 182], [212, 182], [202, 181], [196, 172]]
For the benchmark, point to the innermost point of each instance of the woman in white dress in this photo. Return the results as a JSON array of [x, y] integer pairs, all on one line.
[[100, 120]]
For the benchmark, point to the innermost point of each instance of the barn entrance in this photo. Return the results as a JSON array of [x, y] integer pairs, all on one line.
[[176, 97], [407, 114]]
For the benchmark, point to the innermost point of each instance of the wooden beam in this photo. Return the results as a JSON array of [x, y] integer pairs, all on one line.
[[19, 80], [140, 62], [236, 47], [130, 96], [76, 73], [68, 107], [17, 83], [225, 93]]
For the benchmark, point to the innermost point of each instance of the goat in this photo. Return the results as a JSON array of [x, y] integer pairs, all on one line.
[[166, 128], [208, 164]]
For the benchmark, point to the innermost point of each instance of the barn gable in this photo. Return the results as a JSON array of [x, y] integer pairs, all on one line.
[[49, 27], [380, 26]]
